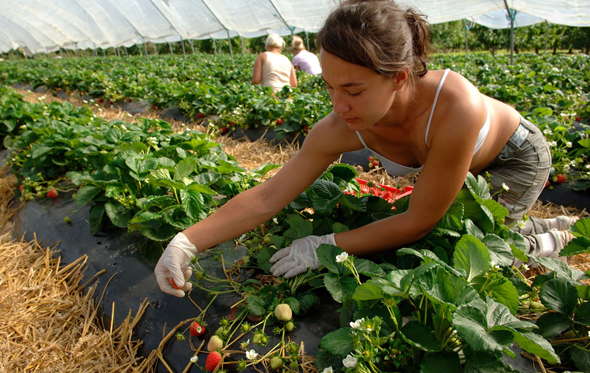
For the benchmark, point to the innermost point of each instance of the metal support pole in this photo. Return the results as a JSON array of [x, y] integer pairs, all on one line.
[[231, 54], [171, 51], [192, 46], [214, 46], [546, 35], [307, 39], [183, 51]]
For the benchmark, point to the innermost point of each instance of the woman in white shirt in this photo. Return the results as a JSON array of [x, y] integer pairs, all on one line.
[[271, 68]]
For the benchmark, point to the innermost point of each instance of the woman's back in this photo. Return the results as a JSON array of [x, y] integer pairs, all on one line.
[[276, 71]]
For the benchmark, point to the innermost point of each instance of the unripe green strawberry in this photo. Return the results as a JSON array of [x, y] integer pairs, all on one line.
[[215, 343], [537, 306], [289, 326], [283, 312], [276, 362], [294, 365], [256, 339]]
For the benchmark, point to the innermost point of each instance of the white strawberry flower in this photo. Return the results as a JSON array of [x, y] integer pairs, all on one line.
[[342, 257], [328, 370], [350, 361], [356, 324], [194, 359], [251, 354]]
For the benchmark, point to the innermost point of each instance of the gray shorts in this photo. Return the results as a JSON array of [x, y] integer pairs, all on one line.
[[523, 165]]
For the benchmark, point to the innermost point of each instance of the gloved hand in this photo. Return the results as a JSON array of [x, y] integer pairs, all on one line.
[[175, 263], [300, 256]]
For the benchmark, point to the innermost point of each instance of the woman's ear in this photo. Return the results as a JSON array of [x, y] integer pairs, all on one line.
[[401, 78]]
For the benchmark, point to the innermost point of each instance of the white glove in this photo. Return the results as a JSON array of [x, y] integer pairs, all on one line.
[[300, 256], [175, 264]]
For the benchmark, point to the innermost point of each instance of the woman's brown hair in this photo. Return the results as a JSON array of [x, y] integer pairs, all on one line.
[[378, 34]]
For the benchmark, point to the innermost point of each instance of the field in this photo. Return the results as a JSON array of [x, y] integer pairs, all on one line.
[[466, 303]]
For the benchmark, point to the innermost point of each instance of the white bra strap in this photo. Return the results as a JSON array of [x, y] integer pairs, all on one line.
[[440, 84]]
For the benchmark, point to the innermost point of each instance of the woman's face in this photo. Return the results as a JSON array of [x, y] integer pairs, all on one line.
[[359, 95]]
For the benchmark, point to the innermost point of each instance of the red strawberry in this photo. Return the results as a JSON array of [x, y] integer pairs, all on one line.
[[547, 183], [223, 130], [375, 163], [154, 107], [52, 193], [560, 178], [20, 187], [279, 121], [200, 115], [386, 195], [174, 284], [578, 118], [371, 159], [100, 100], [110, 102], [305, 129], [232, 124], [213, 360], [196, 329], [129, 100]]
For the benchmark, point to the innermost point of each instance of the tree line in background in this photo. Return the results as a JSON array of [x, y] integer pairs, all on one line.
[[450, 37]]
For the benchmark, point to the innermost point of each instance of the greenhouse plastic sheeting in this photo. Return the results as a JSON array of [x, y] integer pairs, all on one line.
[[40, 26]]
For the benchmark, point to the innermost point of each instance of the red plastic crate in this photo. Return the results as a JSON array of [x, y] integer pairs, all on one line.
[[390, 194]]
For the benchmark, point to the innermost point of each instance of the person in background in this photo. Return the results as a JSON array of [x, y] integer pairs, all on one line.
[[271, 68], [304, 60], [373, 56]]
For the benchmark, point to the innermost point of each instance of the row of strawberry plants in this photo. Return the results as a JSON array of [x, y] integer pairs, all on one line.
[[457, 284], [141, 176]]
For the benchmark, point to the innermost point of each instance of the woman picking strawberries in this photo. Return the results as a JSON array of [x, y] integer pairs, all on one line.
[[373, 58]]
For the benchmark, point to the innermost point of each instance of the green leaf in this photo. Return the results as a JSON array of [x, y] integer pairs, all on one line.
[[367, 291], [200, 188], [472, 327], [263, 258], [583, 314], [368, 268], [552, 323], [453, 218], [441, 362], [338, 342], [420, 336], [581, 358], [86, 193], [343, 172], [192, 202], [576, 246], [486, 362], [324, 195], [478, 187], [294, 304], [261, 171], [504, 292], [536, 345], [339, 287], [299, 227], [119, 214], [327, 255], [582, 227], [38, 151], [256, 305], [471, 255], [560, 295], [184, 168], [95, 218], [500, 251]]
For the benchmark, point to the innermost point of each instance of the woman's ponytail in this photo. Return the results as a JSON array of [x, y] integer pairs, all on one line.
[[420, 30]]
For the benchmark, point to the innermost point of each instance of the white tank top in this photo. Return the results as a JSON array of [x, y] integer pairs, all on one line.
[[276, 71]]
